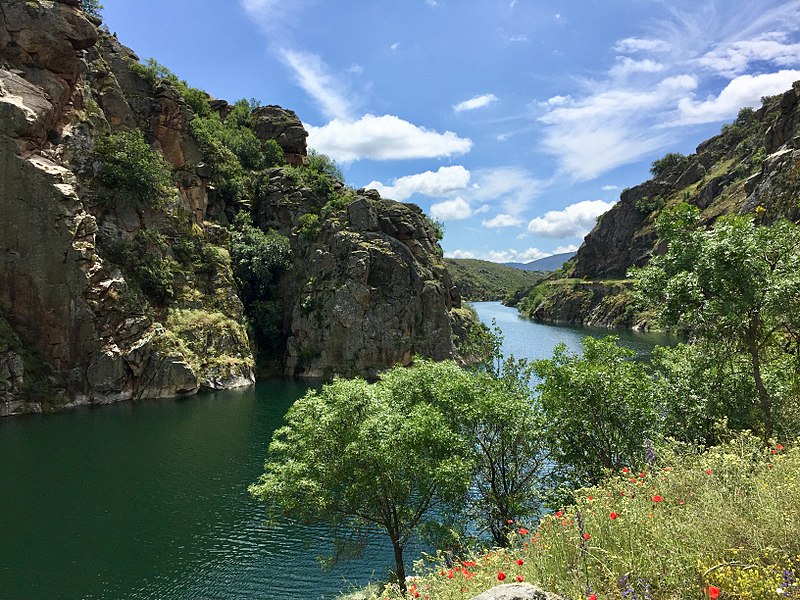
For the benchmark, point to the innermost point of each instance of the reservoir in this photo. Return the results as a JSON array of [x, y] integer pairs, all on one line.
[[149, 500]]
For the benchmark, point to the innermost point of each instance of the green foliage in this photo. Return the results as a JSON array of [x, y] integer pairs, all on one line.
[[694, 518], [154, 72], [324, 178], [735, 287], [437, 226], [258, 259], [599, 409], [132, 172], [152, 266], [309, 226], [360, 455], [92, 7], [481, 280], [669, 162], [646, 205]]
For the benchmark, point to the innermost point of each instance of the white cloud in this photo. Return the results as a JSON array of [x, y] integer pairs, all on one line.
[[436, 184], [451, 210], [564, 249], [634, 44], [313, 75], [523, 256], [383, 138], [512, 187], [557, 101], [502, 220], [734, 58], [745, 90], [394, 46], [609, 188], [625, 66], [475, 102], [576, 220], [271, 15], [612, 127], [460, 254]]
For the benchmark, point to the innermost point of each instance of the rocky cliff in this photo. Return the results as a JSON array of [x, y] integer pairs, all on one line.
[[127, 201], [752, 166]]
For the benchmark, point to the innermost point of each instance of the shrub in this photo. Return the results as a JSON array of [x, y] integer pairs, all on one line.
[[131, 171], [667, 163], [92, 7]]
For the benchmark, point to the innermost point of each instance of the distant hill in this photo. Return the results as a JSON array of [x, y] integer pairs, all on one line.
[[481, 280], [548, 263]]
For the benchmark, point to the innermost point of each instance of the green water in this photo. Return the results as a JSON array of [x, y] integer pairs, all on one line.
[[149, 500]]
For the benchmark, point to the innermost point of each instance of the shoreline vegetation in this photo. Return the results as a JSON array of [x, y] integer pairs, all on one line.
[[592, 475]]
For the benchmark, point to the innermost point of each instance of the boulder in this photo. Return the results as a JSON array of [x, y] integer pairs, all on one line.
[[516, 591], [283, 126]]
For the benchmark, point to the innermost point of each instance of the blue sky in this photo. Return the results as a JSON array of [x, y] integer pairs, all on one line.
[[515, 122]]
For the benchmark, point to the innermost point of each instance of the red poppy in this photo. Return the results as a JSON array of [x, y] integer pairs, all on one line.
[[713, 592], [510, 521], [520, 562], [592, 597], [657, 498], [624, 469], [523, 531], [501, 576], [520, 578], [559, 514], [779, 446], [586, 536], [709, 471], [591, 498], [613, 515]]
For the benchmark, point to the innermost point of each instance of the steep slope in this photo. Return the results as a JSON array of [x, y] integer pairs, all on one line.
[[127, 203], [753, 166]]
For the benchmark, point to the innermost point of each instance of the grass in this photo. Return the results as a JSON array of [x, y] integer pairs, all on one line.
[[692, 522]]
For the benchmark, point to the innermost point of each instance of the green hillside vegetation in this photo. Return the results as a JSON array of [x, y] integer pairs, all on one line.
[[612, 477], [482, 280], [743, 170]]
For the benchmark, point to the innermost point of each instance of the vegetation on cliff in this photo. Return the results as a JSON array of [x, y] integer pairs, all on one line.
[[751, 167]]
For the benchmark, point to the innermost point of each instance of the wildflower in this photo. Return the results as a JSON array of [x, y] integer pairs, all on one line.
[[559, 514], [649, 451], [713, 592], [657, 498], [509, 521], [779, 447], [613, 515], [501, 576], [520, 578], [520, 562], [591, 597], [709, 471], [523, 531], [624, 469], [586, 536]]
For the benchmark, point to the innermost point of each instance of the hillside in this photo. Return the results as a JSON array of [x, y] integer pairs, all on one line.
[[482, 280], [157, 241], [751, 167], [548, 263]]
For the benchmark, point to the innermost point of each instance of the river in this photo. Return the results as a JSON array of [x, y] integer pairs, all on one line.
[[149, 500]]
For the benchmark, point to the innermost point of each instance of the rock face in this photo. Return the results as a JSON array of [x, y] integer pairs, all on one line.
[[110, 292], [368, 287], [516, 591], [752, 167]]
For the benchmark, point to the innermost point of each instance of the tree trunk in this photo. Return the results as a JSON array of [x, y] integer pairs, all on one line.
[[399, 565], [764, 402]]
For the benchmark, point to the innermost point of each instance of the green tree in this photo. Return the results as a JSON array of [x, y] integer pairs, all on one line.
[[667, 163], [598, 408], [495, 414], [736, 288], [92, 7], [358, 454]]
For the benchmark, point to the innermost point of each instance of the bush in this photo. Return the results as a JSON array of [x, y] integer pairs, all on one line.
[[131, 171], [92, 7], [670, 161]]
